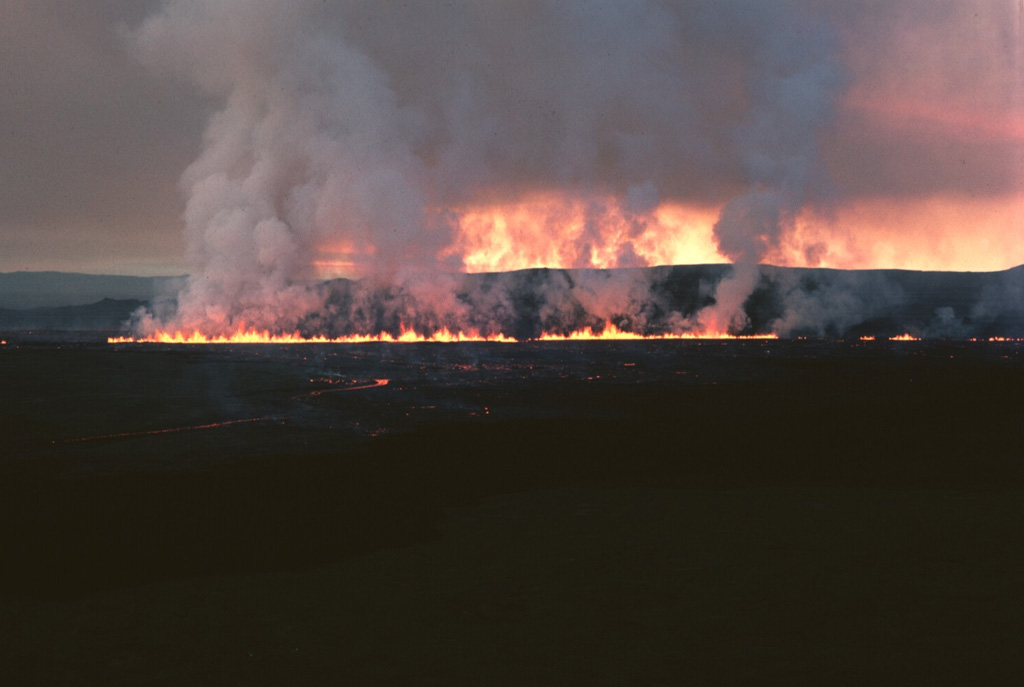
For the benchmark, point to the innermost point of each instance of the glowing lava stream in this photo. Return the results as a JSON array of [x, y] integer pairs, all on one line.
[[248, 336], [169, 430], [371, 385]]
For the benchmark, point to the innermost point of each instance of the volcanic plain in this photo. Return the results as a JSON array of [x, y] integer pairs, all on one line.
[[540, 513]]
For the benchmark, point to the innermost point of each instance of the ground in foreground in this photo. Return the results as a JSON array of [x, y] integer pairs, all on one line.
[[619, 514]]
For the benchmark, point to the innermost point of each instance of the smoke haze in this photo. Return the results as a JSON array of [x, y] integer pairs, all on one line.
[[881, 135], [406, 145], [361, 134]]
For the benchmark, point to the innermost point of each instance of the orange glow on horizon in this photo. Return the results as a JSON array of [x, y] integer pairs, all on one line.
[[561, 231], [565, 230], [938, 233], [942, 233]]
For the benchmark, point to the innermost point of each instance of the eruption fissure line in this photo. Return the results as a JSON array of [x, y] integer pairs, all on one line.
[[610, 332]]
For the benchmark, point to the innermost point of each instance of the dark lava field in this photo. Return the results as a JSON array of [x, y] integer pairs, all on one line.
[[563, 513]]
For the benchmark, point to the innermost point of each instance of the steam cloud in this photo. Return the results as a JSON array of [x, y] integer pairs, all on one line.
[[363, 128]]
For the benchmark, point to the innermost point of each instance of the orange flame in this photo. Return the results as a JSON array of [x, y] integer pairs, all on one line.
[[252, 336], [613, 333], [999, 339], [905, 337], [610, 332]]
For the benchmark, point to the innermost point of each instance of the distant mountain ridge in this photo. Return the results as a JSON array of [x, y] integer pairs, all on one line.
[[25, 290], [104, 315], [792, 302]]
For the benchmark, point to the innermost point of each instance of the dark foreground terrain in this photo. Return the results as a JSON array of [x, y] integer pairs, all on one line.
[[657, 513]]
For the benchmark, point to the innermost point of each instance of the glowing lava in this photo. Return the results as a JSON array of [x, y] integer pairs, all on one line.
[[252, 336], [610, 332], [377, 383], [613, 333], [169, 430], [999, 339]]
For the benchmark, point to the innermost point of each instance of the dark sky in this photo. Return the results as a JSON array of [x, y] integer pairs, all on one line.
[[846, 133]]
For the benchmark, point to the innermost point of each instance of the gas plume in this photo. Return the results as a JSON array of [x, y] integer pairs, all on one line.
[[386, 141]]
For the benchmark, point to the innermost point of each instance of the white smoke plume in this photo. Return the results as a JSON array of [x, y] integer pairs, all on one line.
[[361, 128]]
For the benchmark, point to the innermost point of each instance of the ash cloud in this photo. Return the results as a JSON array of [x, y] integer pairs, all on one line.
[[364, 126]]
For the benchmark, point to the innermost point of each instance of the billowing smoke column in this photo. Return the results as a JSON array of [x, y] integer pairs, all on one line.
[[362, 131]]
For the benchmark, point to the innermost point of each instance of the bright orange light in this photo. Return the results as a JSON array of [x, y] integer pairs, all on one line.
[[559, 231], [609, 332], [613, 333], [944, 233], [251, 336], [999, 339], [563, 231]]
